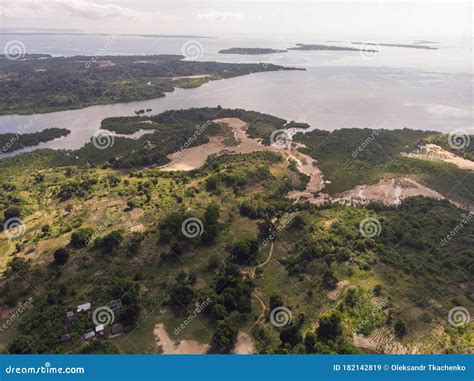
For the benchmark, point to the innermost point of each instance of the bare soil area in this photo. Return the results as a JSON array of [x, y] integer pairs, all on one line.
[[183, 347], [244, 345], [434, 152]]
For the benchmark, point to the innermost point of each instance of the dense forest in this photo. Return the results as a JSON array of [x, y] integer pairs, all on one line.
[[11, 142]]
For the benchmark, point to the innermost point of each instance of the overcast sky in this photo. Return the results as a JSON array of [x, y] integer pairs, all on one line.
[[374, 18]]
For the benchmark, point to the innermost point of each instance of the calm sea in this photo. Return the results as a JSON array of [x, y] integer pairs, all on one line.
[[396, 88]]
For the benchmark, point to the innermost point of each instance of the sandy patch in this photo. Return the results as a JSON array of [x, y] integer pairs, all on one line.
[[195, 157], [307, 165], [191, 76], [106, 63], [244, 345], [140, 228], [183, 347], [387, 191], [433, 152]]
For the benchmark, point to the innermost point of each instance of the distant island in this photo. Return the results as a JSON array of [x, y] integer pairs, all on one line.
[[396, 45], [35, 85], [425, 42], [326, 47], [251, 51], [12, 141]]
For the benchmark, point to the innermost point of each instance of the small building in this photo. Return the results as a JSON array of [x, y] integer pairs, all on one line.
[[88, 335], [100, 329], [83, 307], [116, 329], [65, 337], [69, 316], [115, 305]]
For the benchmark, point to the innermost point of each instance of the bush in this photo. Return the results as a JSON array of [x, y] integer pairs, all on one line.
[[82, 237], [61, 256]]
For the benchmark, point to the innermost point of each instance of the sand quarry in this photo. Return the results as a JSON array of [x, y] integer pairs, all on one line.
[[434, 152], [388, 191]]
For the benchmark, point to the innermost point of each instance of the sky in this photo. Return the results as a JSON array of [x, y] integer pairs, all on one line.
[[230, 17]]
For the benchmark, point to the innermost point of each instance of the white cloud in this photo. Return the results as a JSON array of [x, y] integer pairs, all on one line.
[[211, 15], [87, 9]]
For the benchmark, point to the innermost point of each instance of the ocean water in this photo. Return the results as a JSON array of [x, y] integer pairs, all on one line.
[[396, 88]]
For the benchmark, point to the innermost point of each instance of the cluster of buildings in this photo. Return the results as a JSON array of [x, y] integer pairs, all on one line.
[[115, 329]]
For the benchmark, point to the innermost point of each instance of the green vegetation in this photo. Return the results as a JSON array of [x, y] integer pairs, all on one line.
[[100, 232], [63, 83], [11, 142]]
